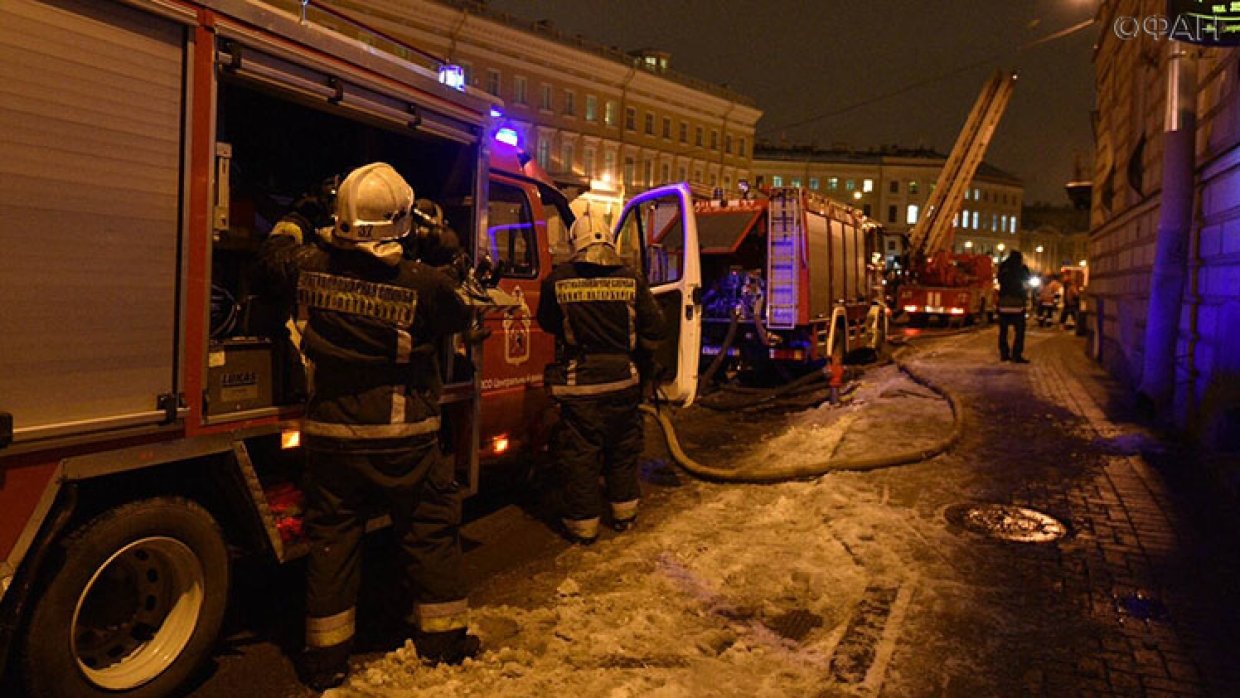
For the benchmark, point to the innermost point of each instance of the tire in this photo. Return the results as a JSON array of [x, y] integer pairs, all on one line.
[[133, 608]]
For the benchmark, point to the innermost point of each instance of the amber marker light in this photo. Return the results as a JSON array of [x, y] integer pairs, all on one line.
[[290, 439], [500, 443]]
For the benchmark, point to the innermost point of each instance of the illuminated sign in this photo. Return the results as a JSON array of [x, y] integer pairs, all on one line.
[[1205, 22]]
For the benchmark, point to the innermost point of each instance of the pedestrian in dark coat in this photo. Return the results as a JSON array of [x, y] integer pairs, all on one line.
[[606, 324], [1013, 295]]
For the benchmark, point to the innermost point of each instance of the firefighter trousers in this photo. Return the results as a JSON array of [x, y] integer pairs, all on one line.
[[416, 487], [599, 434]]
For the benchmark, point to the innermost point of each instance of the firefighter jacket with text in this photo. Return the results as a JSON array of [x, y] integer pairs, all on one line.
[[606, 323], [371, 340]]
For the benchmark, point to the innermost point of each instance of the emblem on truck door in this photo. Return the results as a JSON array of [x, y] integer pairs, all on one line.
[[517, 331]]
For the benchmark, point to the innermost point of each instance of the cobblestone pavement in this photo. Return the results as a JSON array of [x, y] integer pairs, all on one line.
[[1138, 599]]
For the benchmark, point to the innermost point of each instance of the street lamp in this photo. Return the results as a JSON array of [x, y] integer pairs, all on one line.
[[1039, 250], [968, 244], [857, 195], [1001, 247]]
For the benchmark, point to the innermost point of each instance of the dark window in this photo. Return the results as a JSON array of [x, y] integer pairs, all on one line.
[[510, 235], [891, 214], [895, 186]]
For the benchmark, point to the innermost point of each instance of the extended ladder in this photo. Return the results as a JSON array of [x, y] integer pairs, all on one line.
[[935, 229]]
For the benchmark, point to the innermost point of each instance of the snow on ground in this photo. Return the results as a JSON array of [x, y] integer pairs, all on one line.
[[694, 604]]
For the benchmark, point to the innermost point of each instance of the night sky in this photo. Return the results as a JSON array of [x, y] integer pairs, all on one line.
[[801, 59]]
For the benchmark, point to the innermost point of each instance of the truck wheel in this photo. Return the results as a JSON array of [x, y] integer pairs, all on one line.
[[134, 607]]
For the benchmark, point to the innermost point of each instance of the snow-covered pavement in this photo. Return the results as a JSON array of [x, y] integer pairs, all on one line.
[[862, 583]]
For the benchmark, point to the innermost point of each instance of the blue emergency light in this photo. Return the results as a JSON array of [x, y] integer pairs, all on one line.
[[508, 136], [453, 76]]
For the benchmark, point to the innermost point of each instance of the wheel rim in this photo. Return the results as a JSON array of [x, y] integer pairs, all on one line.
[[137, 613]]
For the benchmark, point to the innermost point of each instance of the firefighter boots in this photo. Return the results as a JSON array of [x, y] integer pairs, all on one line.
[[321, 668], [449, 647]]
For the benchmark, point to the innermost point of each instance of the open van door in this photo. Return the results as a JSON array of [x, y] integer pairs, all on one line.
[[659, 230]]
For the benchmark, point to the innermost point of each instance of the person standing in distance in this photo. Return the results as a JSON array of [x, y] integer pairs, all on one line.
[[1013, 295], [606, 324], [372, 421]]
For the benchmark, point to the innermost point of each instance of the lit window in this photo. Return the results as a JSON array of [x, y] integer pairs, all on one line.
[[609, 164], [813, 183], [850, 185], [609, 113], [777, 181], [867, 185], [912, 186], [833, 183], [964, 216], [1013, 224], [911, 216], [796, 182], [994, 222], [975, 220], [591, 108], [544, 153]]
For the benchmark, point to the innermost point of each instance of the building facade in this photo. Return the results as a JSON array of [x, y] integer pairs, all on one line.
[[1129, 198], [891, 186], [585, 111]]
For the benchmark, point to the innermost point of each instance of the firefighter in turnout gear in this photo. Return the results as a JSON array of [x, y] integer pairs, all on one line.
[[375, 322], [606, 323]]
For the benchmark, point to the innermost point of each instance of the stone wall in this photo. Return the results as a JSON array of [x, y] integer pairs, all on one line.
[[1131, 95]]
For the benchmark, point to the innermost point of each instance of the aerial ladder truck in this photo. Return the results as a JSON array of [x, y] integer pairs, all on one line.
[[938, 282]]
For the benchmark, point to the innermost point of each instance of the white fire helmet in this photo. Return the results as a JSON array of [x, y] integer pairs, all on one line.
[[373, 203], [589, 230]]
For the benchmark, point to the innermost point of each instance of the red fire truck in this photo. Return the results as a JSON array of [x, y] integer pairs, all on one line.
[[795, 269], [939, 282], [149, 396]]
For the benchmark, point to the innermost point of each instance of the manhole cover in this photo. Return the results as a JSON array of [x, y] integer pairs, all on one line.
[[1006, 522]]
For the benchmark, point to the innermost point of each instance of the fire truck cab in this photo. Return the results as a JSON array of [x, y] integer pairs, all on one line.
[[149, 391]]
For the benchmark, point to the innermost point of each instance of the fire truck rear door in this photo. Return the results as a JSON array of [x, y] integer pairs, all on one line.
[[658, 228]]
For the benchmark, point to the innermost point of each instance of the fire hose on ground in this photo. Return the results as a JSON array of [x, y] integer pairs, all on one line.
[[809, 470]]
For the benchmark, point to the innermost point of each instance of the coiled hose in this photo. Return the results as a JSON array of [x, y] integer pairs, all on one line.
[[808, 470]]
